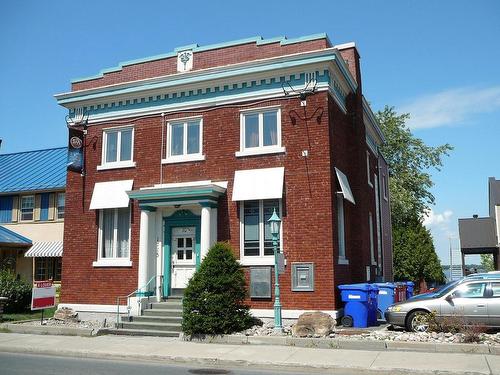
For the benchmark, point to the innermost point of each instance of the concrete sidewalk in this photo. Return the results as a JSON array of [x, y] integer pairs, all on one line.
[[174, 350]]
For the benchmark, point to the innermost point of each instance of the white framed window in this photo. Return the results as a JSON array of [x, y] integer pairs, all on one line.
[[384, 186], [61, 203], [341, 230], [256, 242], [372, 240], [117, 148], [27, 207], [184, 140], [114, 238], [368, 173], [260, 131]]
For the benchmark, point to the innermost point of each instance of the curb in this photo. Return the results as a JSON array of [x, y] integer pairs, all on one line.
[[215, 362], [48, 330], [326, 343]]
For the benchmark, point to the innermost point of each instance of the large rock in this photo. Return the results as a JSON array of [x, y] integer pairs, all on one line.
[[66, 314], [313, 323]]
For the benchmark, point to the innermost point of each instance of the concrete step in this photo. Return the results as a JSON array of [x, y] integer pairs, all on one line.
[[153, 326], [156, 319], [163, 312], [141, 332], [177, 304]]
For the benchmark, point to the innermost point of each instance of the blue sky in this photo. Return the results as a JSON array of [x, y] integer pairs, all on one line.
[[437, 60]]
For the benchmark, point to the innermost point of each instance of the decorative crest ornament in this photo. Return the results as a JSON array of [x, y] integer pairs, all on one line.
[[184, 61]]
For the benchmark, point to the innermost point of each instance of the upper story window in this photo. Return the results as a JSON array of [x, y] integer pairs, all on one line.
[[184, 140], [256, 239], [61, 198], [260, 132], [118, 148], [368, 173], [27, 207]]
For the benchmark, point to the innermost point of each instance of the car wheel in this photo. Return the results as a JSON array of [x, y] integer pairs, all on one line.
[[418, 321]]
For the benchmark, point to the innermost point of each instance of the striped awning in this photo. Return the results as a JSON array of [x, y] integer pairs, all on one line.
[[45, 249]]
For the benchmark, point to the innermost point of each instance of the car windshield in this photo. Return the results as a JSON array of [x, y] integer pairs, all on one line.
[[442, 290]]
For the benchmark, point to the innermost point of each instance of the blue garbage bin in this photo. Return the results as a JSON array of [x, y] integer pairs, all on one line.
[[357, 300], [410, 286], [373, 305], [385, 297]]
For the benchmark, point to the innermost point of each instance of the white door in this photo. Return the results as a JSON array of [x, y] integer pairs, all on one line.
[[183, 256]]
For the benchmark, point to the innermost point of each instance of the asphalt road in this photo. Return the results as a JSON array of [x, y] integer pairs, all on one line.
[[22, 364]]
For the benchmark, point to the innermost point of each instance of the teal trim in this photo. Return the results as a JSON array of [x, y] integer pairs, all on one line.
[[195, 48], [180, 218], [179, 193], [147, 208]]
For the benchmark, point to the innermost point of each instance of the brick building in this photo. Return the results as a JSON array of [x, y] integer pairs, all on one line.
[[201, 145]]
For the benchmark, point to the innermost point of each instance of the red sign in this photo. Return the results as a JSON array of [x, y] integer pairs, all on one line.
[[43, 295]]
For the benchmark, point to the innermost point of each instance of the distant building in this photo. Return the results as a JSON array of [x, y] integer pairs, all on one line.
[[32, 205], [480, 235]]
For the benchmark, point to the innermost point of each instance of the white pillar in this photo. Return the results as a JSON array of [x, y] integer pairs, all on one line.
[[205, 231], [144, 241], [213, 228]]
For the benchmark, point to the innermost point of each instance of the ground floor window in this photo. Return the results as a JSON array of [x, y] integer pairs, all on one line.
[[114, 233], [48, 269], [256, 238]]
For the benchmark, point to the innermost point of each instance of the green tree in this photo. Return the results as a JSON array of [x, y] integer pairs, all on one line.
[[415, 258], [214, 298], [487, 262], [410, 161]]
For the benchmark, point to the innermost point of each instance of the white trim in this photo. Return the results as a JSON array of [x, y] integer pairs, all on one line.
[[184, 157], [112, 262], [20, 208], [343, 261], [345, 45], [83, 307], [118, 163], [261, 259], [368, 169], [260, 151], [291, 314]]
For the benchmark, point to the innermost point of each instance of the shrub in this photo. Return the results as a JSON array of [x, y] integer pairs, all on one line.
[[17, 291], [213, 300], [457, 323]]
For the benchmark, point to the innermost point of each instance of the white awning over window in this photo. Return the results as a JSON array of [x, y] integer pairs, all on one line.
[[252, 184], [344, 186], [112, 194], [45, 249]]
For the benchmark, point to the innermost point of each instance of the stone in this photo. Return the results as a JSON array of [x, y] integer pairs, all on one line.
[[315, 323], [66, 314]]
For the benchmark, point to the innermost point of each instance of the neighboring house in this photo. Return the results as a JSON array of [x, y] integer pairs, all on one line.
[[481, 235], [201, 145], [32, 201]]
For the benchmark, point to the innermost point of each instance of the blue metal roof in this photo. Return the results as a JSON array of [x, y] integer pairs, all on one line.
[[12, 238], [33, 170]]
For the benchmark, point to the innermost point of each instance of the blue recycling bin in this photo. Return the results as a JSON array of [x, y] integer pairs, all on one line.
[[385, 296], [360, 304], [410, 286]]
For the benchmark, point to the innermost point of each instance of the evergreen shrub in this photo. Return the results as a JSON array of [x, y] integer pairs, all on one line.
[[18, 292]]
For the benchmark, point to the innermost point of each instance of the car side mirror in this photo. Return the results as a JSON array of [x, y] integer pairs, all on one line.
[[450, 297]]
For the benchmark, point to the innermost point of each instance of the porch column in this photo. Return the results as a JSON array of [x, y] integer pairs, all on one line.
[[147, 219], [213, 228], [205, 230]]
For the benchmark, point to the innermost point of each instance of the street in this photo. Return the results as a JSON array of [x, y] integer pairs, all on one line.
[[22, 364]]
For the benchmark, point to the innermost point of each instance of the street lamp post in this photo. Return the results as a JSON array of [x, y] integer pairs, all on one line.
[[274, 222]]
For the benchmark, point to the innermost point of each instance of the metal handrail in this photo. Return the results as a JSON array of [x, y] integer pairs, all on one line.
[[128, 300]]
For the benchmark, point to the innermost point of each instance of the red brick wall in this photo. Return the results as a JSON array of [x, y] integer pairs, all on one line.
[[307, 219], [202, 60]]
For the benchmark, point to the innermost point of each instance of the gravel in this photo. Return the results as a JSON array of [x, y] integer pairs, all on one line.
[[93, 324]]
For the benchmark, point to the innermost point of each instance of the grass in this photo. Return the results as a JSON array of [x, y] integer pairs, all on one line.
[[27, 315]]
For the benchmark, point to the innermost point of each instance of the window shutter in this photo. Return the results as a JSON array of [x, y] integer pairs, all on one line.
[[52, 208], [15, 209], [36, 210]]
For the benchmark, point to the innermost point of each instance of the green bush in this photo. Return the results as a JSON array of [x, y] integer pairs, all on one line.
[[213, 300], [17, 291]]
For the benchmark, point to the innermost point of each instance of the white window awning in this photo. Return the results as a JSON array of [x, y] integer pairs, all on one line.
[[253, 184], [45, 249], [344, 186], [112, 194]]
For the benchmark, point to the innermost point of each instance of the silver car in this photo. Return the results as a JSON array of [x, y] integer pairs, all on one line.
[[474, 300]]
